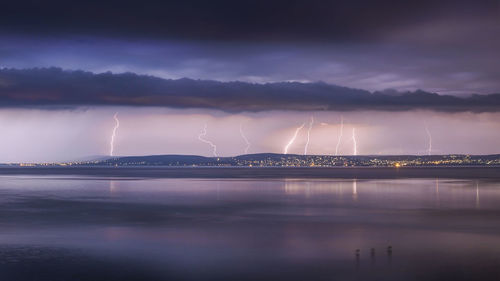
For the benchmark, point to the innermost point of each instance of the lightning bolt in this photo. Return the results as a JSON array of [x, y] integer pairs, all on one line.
[[308, 135], [292, 140], [204, 133], [113, 135], [429, 149], [355, 144], [245, 139], [340, 135]]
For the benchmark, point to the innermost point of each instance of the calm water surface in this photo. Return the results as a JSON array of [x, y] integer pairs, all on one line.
[[86, 228]]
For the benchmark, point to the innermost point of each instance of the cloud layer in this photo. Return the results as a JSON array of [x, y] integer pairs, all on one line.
[[314, 20], [59, 88], [446, 46]]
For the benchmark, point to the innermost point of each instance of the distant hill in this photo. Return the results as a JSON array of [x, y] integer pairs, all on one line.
[[160, 160], [294, 160]]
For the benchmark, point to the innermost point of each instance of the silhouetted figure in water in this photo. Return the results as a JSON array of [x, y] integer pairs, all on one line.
[[389, 255], [357, 252], [372, 256]]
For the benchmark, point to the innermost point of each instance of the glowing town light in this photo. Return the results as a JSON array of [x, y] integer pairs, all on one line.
[[308, 135], [204, 133], [340, 135], [113, 135], [354, 142], [245, 139], [429, 148], [292, 140]]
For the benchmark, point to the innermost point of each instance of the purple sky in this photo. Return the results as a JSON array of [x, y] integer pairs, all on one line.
[[54, 135], [443, 47]]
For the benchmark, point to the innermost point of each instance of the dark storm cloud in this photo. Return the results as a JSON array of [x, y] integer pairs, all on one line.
[[56, 87], [447, 47], [232, 20]]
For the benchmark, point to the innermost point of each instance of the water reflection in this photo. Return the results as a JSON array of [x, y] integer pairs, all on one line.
[[437, 192], [354, 190], [294, 229], [313, 188], [112, 187], [441, 193], [477, 195]]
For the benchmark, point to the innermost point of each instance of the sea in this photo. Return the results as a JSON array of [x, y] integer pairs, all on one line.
[[66, 227]]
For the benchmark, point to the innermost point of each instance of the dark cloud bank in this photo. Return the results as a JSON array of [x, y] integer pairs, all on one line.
[[274, 20], [54, 87], [445, 46]]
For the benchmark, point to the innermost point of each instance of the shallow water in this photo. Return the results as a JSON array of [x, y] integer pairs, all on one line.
[[88, 228]]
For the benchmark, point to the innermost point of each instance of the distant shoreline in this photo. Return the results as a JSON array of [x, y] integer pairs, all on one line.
[[460, 172]]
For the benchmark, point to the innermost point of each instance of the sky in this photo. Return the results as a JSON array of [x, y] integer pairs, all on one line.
[[410, 77]]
